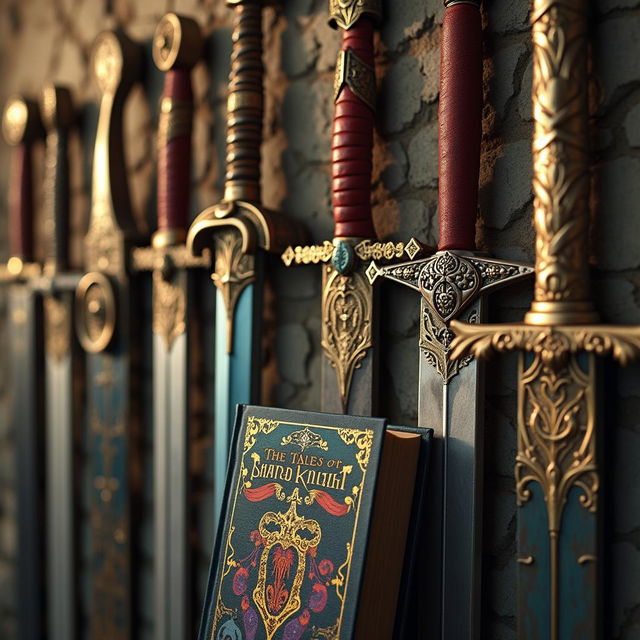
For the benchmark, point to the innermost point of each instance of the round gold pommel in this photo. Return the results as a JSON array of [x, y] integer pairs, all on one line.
[[115, 61], [21, 121], [56, 107], [177, 42], [344, 14], [95, 312]]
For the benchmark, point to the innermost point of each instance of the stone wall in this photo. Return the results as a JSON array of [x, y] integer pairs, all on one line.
[[51, 39]]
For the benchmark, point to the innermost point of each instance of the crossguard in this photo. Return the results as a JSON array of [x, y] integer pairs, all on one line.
[[450, 281], [342, 254]]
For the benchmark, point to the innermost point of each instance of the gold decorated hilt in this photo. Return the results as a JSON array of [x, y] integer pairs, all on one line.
[[558, 342], [236, 228], [115, 64]]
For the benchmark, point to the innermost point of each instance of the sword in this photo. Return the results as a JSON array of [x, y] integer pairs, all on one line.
[[177, 45], [106, 314], [238, 231], [22, 127], [453, 283], [349, 303], [61, 360], [558, 470]]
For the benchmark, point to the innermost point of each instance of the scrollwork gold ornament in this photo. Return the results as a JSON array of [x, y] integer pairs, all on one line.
[[234, 270], [169, 309], [57, 327], [345, 13], [346, 324]]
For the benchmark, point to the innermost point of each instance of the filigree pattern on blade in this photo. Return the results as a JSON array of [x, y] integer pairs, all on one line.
[[234, 271], [346, 325], [58, 327], [560, 150], [169, 309], [556, 434], [435, 344]]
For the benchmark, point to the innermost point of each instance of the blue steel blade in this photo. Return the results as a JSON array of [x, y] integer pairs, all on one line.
[[60, 494], [27, 428], [234, 380]]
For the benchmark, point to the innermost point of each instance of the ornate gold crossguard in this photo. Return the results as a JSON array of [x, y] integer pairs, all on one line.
[[557, 430]]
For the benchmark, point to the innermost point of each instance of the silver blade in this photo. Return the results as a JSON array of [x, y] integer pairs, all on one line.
[[170, 485], [453, 410], [60, 489]]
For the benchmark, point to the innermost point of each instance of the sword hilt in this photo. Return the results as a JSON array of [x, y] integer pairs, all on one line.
[[245, 103], [21, 126], [115, 63], [177, 44], [460, 124], [57, 114], [352, 141]]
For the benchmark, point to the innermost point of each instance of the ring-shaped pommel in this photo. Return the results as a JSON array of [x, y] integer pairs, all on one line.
[[177, 42], [56, 107], [21, 121], [115, 61]]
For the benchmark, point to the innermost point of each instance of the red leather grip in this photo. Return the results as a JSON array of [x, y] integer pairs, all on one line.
[[21, 203], [352, 145], [174, 153], [460, 120]]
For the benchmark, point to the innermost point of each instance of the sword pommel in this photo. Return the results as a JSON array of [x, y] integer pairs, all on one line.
[[177, 45], [58, 114], [344, 14], [21, 126]]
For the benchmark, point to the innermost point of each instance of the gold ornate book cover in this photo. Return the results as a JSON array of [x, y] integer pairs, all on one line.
[[290, 552]]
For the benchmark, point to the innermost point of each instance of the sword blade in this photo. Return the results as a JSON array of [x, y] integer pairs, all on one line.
[[170, 367], [25, 347], [60, 467], [236, 376], [453, 410]]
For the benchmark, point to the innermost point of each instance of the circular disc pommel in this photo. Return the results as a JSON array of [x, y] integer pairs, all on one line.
[[177, 43], [115, 61], [344, 14], [21, 121], [56, 106]]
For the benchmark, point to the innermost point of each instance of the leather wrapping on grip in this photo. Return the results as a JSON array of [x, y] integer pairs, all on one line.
[[21, 204], [352, 146], [460, 121], [174, 152], [245, 105]]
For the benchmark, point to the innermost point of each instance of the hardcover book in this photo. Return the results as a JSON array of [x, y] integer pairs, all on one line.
[[313, 532]]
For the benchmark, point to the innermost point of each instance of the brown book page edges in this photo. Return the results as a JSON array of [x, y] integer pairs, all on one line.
[[388, 536]]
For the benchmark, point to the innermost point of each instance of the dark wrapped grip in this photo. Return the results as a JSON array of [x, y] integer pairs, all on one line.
[[460, 120], [21, 203], [245, 105], [352, 146], [174, 151]]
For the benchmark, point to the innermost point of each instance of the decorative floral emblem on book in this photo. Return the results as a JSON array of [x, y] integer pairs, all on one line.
[[305, 439]]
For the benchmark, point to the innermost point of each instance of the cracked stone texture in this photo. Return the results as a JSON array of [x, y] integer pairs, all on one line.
[[51, 39]]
